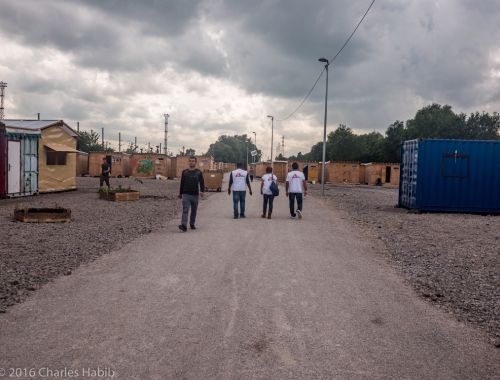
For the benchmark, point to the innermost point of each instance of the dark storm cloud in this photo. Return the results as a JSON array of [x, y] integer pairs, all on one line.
[[116, 59]]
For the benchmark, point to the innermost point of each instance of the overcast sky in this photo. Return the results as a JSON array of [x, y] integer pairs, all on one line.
[[221, 66]]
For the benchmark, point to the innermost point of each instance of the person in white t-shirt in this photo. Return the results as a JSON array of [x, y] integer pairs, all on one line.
[[295, 185], [239, 182], [267, 179]]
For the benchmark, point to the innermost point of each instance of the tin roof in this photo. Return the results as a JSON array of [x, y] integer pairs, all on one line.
[[39, 124]]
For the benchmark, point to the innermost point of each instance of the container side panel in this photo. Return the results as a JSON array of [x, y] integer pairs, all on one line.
[[459, 175]]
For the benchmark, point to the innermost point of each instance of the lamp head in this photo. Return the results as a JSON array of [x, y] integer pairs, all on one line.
[[269, 116], [323, 60]]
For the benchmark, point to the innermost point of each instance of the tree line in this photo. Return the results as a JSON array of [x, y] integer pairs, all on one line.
[[433, 121]]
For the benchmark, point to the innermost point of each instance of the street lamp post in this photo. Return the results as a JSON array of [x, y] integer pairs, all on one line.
[[255, 143], [272, 137], [324, 130], [246, 142]]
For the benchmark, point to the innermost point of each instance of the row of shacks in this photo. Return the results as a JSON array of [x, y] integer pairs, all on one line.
[[138, 165], [352, 173], [40, 156]]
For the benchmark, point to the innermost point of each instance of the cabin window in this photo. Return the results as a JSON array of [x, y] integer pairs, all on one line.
[[56, 158]]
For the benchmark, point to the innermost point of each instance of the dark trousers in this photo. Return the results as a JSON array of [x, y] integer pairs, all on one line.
[[268, 198], [102, 179], [189, 201], [239, 197], [292, 197]]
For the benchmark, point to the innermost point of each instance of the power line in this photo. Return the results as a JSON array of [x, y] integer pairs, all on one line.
[[336, 55], [300, 105], [353, 32]]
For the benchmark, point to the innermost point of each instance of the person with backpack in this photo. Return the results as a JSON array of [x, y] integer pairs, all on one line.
[[268, 180]]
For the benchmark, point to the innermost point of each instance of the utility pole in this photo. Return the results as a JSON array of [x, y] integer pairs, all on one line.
[[2, 87], [166, 132], [119, 142], [102, 137]]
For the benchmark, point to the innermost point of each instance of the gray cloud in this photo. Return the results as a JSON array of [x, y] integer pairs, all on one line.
[[220, 66]]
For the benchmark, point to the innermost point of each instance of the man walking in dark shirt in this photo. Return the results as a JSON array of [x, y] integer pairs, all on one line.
[[189, 193], [105, 169]]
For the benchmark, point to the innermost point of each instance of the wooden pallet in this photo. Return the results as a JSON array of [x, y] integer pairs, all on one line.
[[132, 195], [42, 215]]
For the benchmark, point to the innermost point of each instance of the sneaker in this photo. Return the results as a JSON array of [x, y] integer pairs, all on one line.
[[292, 217], [242, 216], [192, 227], [299, 213], [236, 217], [182, 227]]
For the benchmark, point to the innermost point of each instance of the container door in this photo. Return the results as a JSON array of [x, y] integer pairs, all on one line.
[[14, 167]]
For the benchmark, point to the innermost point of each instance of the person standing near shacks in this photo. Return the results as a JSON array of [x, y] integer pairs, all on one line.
[[190, 192], [105, 170], [265, 190], [251, 173]]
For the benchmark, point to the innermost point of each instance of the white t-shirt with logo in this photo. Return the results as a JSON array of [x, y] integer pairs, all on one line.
[[268, 178], [294, 180], [239, 180]]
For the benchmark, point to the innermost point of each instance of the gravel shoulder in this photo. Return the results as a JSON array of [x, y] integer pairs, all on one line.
[[450, 259], [32, 254]]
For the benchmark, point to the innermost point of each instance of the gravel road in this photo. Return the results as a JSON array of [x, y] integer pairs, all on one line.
[[452, 260]]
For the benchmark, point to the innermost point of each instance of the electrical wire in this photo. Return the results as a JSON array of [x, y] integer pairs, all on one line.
[[300, 105], [336, 55]]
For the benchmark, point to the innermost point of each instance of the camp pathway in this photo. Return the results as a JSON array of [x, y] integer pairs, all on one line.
[[241, 299]]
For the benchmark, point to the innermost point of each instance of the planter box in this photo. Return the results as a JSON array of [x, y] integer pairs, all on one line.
[[132, 195], [43, 215]]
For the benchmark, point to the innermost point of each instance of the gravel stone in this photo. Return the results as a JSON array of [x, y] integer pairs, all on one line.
[[450, 259], [32, 254]]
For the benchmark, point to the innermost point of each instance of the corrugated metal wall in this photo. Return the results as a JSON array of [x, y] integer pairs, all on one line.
[[450, 175]]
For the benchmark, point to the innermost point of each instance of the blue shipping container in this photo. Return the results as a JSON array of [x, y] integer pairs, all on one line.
[[450, 175]]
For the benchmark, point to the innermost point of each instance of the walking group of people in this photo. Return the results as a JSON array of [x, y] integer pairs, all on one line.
[[193, 185]]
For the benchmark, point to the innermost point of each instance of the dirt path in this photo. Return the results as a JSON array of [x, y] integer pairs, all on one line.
[[241, 299]]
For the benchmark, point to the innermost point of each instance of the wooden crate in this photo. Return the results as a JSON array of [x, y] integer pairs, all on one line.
[[42, 215], [132, 195]]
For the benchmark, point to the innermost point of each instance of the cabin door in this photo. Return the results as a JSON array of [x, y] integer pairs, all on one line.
[[14, 167]]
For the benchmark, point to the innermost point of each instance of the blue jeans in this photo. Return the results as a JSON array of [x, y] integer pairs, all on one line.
[[187, 202], [239, 196], [270, 198], [292, 197]]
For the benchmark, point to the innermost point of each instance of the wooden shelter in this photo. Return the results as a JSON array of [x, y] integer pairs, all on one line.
[[148, 165], [82, 164], [344, 172], [56, 153], [119, 164], [383, 173], [179, 163]]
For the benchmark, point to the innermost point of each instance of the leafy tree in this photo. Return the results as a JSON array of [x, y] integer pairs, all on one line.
[[89, 142], [481, 126], [435, 121], [392, 142], [233, 149], [341, 145]]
